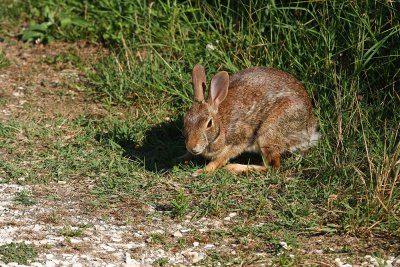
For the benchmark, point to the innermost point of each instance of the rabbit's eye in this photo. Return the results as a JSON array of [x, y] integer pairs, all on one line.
[[209, 124]]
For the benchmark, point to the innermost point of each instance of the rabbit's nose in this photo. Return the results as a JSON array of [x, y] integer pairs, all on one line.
[[195, 149]]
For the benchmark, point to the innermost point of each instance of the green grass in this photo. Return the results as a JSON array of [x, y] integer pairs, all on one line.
[[21, 253], [4, 62], [23, 198], [161, 262], [71, 232], [345, 52]]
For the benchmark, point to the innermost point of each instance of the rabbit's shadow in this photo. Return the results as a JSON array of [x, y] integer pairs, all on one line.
[[163, 145]]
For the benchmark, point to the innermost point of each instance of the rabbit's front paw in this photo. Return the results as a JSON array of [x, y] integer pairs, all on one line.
[[197, 173], [211, 167]]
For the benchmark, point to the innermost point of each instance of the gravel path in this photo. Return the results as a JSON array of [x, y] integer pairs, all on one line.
[[101, 243], [104, 241]]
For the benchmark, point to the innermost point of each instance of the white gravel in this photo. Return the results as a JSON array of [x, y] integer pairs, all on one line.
[[102, 243]]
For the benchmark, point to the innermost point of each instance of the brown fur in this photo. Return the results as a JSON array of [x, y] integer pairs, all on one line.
[[265, 111]]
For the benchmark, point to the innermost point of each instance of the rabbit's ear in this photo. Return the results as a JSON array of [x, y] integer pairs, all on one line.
[[199, 82], [218, 89]]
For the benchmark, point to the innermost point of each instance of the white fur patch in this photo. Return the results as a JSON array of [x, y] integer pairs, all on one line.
[[309, 140], [255, 148]]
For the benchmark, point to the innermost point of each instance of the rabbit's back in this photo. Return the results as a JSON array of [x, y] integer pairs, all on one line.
[[265, 84], [266, 101]]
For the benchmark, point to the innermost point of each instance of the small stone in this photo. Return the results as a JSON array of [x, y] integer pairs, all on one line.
[[37, 228], [107, 248], [49, 256], [318, 251], [65, 255], [137, 235], [150, 209], [116, 239], [137, 264], [371, 260], [62, 182], [18, 94], [338, 262], [77, 264], [193, 256], [209, 246], [232, 214], [158, 232], [284, 245], [185, 230], [177, 234], [127, 257], [50, 263], [130, 246], [227, 218], [75, 241], [196, 244]]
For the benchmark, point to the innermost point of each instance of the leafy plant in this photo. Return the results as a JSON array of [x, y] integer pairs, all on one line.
[[51, 23], [180, 204]]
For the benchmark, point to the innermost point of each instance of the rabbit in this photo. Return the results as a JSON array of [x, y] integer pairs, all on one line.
[[259, 109]]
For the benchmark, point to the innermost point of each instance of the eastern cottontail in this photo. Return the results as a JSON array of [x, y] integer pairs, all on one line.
[[262, 110]]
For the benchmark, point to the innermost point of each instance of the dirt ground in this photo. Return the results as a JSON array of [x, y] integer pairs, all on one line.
[[32, 90]]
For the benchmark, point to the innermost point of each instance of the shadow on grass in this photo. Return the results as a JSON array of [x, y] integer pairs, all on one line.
[[163, 144]]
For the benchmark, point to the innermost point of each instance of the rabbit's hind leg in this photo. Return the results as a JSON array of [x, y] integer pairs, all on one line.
[[272, 156], [241, 168]]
